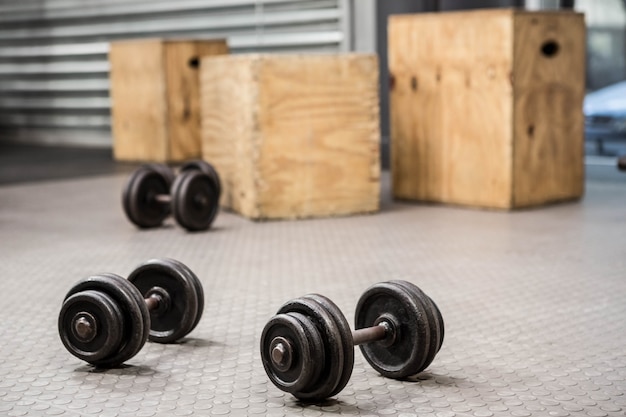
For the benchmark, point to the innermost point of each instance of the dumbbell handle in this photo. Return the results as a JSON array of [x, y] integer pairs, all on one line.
[[201, 200], [157, 298], [152, 302], [371, 334], [163, 198]]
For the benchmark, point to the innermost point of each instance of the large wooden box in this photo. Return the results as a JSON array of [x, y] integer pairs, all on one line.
[[486, 107], [155, 98], [293, 135]]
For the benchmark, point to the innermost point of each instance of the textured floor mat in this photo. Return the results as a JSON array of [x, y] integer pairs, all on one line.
[[533, 303]]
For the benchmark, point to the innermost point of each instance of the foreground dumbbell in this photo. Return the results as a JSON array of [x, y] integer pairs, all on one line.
[[152, 193], [106, 319], [307, 348]]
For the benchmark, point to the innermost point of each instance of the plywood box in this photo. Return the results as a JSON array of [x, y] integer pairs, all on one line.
[[293, 135], [486, 107], [155, 96]]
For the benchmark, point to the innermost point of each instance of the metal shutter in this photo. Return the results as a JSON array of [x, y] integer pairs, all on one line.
[[53, 53]]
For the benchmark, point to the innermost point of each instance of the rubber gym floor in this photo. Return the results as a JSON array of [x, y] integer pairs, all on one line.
[[533, 301]]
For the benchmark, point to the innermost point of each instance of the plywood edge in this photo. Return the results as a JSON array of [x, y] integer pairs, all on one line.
[[253, 210], [394, 27], [270, 216], [464, 14], [479, 13], [548, 202], [143, 41], [231, 58], [135, 42], [398, 34], [561, 12], [513, 116], [195, 40], [496, 207], [261, 57], [164, 107]]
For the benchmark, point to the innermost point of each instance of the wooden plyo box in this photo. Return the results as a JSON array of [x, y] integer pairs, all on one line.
[[486, 107], [155, 96], [293, 136]]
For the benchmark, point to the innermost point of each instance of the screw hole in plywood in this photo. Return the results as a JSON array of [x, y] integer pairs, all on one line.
[[550, 48]]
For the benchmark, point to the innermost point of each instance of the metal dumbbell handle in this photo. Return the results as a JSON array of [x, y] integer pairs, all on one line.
[[157, 299], [153, 302], [163, 198], [167, 199], [372, 334]]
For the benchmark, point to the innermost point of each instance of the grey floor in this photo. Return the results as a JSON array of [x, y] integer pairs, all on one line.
[[533, 301]]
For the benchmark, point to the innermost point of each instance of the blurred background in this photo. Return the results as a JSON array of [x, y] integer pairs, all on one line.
[[54, 87]]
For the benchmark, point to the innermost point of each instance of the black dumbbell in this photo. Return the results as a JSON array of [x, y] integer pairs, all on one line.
[[106, 319], [307, 348], [152, 193], [208, 169]]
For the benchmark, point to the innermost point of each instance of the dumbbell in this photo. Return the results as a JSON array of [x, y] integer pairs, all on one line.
[[152, 193], [106, 319], [307, 348]]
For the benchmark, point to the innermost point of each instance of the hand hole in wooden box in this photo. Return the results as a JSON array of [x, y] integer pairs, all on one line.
[[550, 48], [194, 62]]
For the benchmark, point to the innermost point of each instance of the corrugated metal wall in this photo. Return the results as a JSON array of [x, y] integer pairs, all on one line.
[[53, 53]]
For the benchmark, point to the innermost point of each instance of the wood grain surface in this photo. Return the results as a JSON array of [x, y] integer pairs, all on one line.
[[465, 86], [294, 135]]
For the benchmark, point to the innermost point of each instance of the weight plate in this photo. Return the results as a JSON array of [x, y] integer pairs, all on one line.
[[208, 169], [166, 172], [408, 351], [432, 315], [138, 198], [134, 312], [177, 313], [168, 175], [90, 325], [441, 323], [195, 200], [302, 357], [333, 371], [346, 339], [198, 286]]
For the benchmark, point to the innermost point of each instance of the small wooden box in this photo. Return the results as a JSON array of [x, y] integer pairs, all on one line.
[[155, 96], [293, 135], [486, 107]]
